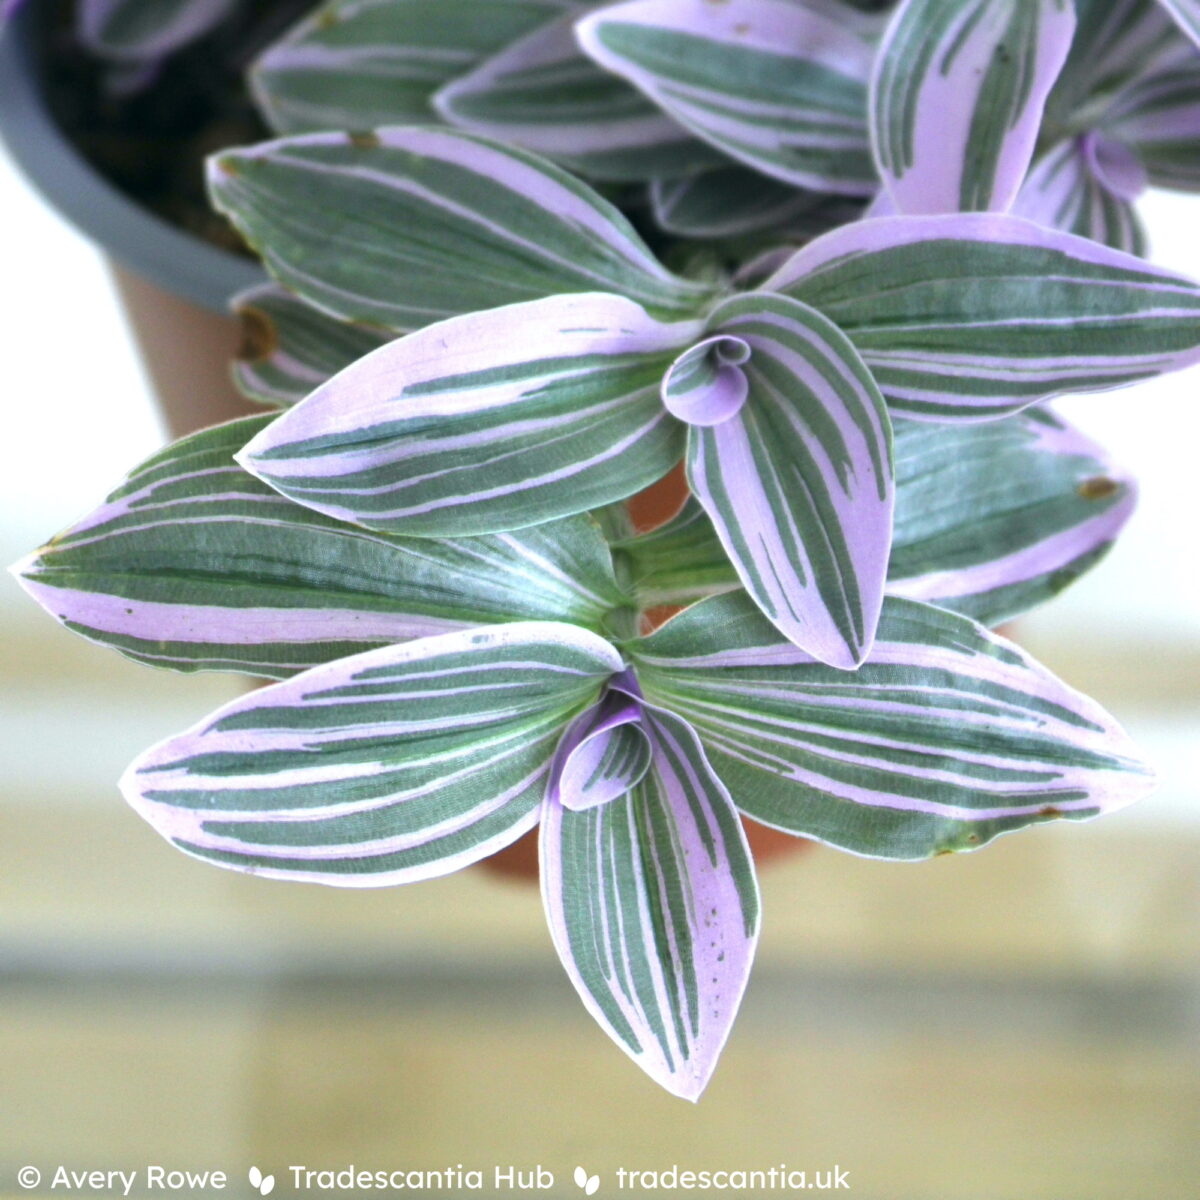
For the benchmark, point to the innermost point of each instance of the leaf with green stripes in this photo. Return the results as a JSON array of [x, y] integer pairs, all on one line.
[[653, 907], [544, 94], [195, 564], [1159, 119], [404, 227], [489, 422], [976, 315], [1187, 16], [1087, 186], [957, 98], [394, 765], [357, 64], [289, 348], [135, 31], [992, 519], [773, 84], [946, 738], [794, 466]]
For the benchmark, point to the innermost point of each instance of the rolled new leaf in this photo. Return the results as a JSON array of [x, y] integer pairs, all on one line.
[[394, 765], [946, 738], [135, 30], [1070, 189], [289, 348], [195, 564], [544, 94], [653, 907], [486, 423], [798, 481], [774, 84], [603, 754], [356, 64], [991, 520], [404, 227], [957, 98], [977, 315]]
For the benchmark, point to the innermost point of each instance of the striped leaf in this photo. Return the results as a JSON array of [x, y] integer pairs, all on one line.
[[194, 564], [799, 482], [976, 315], [1116, 42], [357, 64], [1071, 188], [1187, 16], [948, 737], [995, 519], [485, 423], [731, 202], [404, 227], [653, 907], [135, 29], [603, 754], [544, 94], [1160, 118], [991, 520], [290, 348], [773, 84], [399, 764], [957, 98]]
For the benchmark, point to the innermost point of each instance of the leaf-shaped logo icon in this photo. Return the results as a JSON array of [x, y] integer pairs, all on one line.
[[589, 1183], [264, 1184], [255, 1177], [268, 1185]]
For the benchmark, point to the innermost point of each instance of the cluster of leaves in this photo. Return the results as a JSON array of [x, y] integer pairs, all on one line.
[[528, 256]]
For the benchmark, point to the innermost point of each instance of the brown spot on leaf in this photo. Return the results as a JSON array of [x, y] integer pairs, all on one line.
[[327, 19], [1051, 811], [367, 140], [742, 28], [228, 166], [259, 336], [1099, 487]]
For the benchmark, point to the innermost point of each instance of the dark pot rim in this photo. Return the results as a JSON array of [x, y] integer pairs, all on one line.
[[136, 238]]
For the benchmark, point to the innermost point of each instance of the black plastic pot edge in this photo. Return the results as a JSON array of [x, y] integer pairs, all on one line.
[[135, 238]]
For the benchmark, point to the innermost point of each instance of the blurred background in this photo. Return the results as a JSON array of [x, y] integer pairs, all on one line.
[[1019, 1024]]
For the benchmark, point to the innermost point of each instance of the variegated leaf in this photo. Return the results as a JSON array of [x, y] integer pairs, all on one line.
[[1072, 188], [773, 84], [957, 98], [289, 348], [135, 29], [544, 94], [653, 907], [798, 480], [1160, 119], [194, 564], [1187, 16], [404, 227], [485, 423], [976, 315], [603, 754], [399, 764], [946, 738], [992, 519], [731, 202], [357, 64]]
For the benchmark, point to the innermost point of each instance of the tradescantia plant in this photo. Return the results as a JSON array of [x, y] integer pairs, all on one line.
[[527, 257]]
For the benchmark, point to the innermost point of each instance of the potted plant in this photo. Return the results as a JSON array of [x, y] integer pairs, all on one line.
[[502, 313]]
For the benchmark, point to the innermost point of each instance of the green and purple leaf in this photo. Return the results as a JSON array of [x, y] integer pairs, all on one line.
[[797, 476], [1159, 117], [136, 30], [773, 84], [289, 348], [1187, 16], [399, 764], [946, 738], [1087, 186], [976, 315], [653, 906], [404, 227], [957, 98], [603, 754], [544, 94], [358, 64], [486, 423], [194, 564]]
